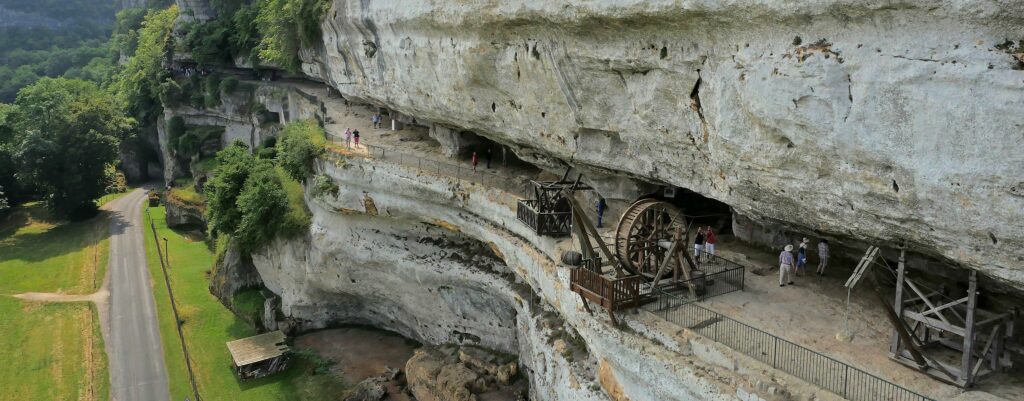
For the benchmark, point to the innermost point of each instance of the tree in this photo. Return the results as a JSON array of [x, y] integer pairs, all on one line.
[[285, 26], [3, 200], [234, 164], [301, 143], [139, 83], [262, 205], [70, 131]]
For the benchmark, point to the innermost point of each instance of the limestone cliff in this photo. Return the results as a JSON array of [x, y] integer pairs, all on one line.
[[875, 121]]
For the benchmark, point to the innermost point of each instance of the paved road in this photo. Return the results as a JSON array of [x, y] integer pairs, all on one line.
[[137, 371]]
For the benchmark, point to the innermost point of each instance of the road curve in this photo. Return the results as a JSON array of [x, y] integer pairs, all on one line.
[[136, 358]]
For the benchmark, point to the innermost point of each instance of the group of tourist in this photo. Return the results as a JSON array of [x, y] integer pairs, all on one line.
[[790, 265], [351, 134], [704, 243]]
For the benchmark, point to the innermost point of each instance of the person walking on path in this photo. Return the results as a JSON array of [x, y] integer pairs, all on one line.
[[786, 266], [355, 136], [801, 258], [348, 138], [487, 157], [474, 162], [698, 244], [375, 120], [601, 206], [709, 242], [822, 256]]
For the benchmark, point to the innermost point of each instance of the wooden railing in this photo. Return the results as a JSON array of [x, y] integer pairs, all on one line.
[[612, 294], [543, 223]]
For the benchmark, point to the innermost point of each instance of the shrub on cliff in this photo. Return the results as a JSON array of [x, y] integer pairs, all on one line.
[[139, 83], [286, 26], [262, 205], [234, 165], [301, 143], [252, 201]]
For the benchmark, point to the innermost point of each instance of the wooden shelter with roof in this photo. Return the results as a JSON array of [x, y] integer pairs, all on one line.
[[260, 355]]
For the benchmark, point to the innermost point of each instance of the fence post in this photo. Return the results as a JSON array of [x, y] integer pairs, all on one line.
[[775, 351], [846, 380]]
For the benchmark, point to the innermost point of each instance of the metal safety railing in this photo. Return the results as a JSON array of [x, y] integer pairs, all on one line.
[[828, 373], [511, 184]]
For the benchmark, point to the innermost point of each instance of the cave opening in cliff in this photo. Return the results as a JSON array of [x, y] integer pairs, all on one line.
[[699, 209]]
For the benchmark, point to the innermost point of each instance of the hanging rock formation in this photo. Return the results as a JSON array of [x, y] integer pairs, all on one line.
[[881, 123]]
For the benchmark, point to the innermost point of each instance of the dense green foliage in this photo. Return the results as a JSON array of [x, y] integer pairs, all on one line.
[[140, 82], [251, 200], [287, 25], [66, 133], [51, 38], [301, 143], [270, 31]]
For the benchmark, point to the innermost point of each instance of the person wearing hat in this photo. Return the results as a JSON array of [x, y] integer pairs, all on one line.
[[786, 266], [801, 257]]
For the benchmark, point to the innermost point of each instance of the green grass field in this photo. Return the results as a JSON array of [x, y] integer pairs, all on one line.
[[53, 351], [209, 325]]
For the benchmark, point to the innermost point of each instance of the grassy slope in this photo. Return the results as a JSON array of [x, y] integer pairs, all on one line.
[[40, 255], [55, 351], [209, 325]]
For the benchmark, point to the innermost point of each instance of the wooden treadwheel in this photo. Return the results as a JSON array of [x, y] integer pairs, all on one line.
[[643, 232]]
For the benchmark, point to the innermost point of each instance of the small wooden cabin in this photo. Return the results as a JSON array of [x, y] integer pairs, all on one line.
[[260, 355]]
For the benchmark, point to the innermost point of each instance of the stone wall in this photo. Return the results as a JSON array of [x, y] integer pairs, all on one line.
[[843, 118]]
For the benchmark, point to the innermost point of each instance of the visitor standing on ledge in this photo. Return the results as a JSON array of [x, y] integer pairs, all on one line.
[[487, 157], [375, 120], [474, 162], [801, 257], [348, 138], [355, 134], [822, 256], [786, 266], [698, 244], [601, 206], [709, 242]]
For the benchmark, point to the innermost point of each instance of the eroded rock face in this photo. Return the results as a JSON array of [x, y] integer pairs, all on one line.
[[232, 274], [179, 216], [841, 117], [450, 373]]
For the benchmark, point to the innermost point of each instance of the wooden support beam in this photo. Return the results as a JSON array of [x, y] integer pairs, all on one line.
[[894, 346], [619, 265], [898, 325], [984, 350], [913, 287], [935, 323], [972, 303], [943, 307]]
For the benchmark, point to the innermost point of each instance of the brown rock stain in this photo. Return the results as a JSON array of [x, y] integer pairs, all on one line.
[[611, 385]]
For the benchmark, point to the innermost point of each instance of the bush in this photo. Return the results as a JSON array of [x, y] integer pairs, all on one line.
[[262, 205], [175, 128], [286, 26], [116, 181], [301, 143], [323, 185], [267, 153], [229, 85]]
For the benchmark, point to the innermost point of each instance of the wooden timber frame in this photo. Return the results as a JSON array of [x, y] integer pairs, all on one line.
[[932, 322], [623, 290], [549, 213]]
